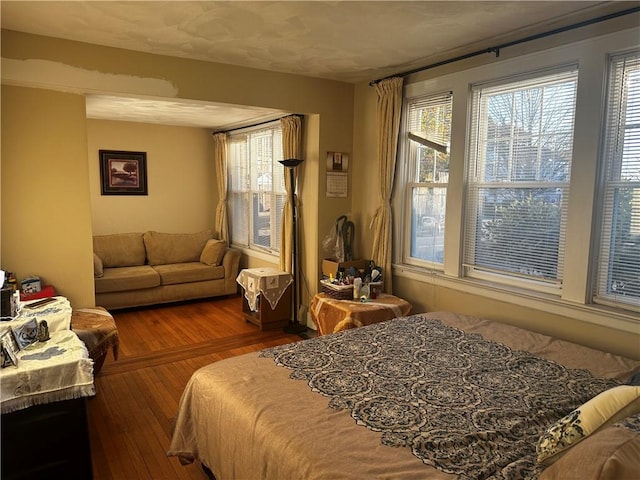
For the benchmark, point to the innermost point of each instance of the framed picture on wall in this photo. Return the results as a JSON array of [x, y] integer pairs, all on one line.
[[123, 173]]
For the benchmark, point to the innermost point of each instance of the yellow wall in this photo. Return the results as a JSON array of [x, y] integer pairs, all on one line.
[[182, 192], [46, 217], [36, 62]]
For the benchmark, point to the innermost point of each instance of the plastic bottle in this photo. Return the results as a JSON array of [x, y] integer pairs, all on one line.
[[357, 285]]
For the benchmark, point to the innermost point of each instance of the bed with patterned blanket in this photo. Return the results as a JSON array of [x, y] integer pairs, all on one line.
[[436, 396]]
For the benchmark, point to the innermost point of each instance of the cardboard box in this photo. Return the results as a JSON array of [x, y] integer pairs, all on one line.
[[330, 266]]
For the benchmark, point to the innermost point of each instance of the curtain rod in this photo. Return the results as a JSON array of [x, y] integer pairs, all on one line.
[[258, 124], [497, 48]]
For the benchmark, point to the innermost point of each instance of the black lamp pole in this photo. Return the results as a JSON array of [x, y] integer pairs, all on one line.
[[294, 325]]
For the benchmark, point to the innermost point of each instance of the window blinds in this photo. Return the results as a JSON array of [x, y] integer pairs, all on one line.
[[619, 266]]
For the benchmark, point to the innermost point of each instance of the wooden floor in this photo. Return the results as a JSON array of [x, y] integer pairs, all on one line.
[[130, 417]]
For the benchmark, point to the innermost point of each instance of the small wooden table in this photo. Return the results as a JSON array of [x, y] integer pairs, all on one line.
[[331, 315], [267, 297]]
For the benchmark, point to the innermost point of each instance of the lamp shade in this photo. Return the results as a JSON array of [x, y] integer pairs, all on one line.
[[291, 162]]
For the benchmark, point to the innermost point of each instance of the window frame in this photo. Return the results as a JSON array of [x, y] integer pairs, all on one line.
[[475, 157], [574, 298], [412, 149], [612, 133], [250, 243]]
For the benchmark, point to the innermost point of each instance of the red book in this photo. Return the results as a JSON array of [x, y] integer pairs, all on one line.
[[46, 292]]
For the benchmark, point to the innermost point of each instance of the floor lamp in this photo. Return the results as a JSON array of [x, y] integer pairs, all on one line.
[[294, 326]]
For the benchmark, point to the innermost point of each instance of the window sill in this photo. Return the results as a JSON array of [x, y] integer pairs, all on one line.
[[258, 254], [617, 318]]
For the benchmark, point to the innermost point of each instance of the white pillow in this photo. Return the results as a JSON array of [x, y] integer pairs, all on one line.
[[602, 410]]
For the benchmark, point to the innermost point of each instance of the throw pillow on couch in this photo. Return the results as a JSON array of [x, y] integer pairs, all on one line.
[[213, 252]]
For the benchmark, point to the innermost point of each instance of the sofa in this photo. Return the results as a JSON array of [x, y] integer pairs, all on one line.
[[138, 269]]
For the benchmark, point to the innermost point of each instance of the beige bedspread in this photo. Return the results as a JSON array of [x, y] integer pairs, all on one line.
[[246, 419]]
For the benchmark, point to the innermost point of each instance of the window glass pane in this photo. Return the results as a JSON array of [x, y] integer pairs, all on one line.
[[518, 230], [519, 168], [427, 219], [619, 265]]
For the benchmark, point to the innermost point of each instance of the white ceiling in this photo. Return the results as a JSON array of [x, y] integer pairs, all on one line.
[[350, 41]]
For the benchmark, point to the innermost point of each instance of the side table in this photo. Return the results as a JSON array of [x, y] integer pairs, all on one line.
[[267, 297], [331, 315]]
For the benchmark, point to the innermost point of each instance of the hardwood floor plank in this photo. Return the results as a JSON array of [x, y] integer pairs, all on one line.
[[132, 414]]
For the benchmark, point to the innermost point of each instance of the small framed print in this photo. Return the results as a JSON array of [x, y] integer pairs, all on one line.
[[123, 173], [26, 334], [9, 349]]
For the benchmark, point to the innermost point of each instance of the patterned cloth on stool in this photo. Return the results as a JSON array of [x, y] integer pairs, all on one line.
[[97, 329]]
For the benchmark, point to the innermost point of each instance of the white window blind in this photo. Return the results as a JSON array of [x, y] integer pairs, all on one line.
[[428, 136], [256, 187], [519, 164], [619, 265]]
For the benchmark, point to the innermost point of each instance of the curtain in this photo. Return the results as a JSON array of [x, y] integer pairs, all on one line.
[[388, 112], [291, 140], [221, 227]]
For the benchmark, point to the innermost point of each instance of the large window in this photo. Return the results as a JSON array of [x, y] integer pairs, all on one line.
[[619, 266], [256, 188], [519, 162], [428, 135]]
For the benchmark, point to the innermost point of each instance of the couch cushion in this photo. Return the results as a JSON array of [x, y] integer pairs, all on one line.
[[166, 248], [188, 272], [127, 278], [120, 250], [213, 252]]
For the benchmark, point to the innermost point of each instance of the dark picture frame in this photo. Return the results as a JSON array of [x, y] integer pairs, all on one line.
[[123, 173]]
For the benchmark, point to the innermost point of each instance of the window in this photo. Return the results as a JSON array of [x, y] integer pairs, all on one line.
[[519, 163], [619, 266], [428, 137], [256, 188]]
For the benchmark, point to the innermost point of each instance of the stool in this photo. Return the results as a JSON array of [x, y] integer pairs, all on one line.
[[97, 329]]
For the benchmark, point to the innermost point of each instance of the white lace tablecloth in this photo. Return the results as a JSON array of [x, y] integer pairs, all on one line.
[[269, 282], [57, 315], [55, 370]]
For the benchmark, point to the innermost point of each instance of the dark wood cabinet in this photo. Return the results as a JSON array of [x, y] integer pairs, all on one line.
[[46, 441], [268, 318]]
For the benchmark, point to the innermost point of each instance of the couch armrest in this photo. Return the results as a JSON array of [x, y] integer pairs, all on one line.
[[231, 264]]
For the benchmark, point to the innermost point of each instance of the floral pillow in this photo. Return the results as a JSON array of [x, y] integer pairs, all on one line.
[[602, 410]]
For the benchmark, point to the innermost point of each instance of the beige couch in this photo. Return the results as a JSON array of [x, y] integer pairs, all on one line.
[[136, 269]]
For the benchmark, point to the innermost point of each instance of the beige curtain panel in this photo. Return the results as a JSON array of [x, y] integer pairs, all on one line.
[[291, 143], [221, 227], [389, 108]]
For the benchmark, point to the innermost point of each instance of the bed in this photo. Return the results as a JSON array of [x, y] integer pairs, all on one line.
[[437, 396]]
